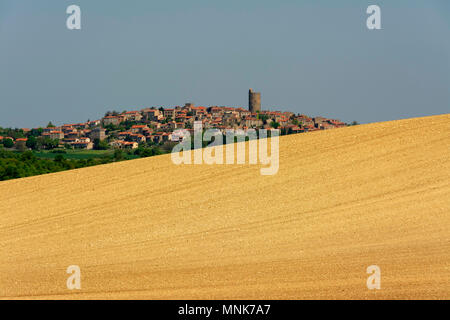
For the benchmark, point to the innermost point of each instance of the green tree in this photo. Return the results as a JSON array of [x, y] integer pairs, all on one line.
[[100, 145], [32, 143], [263, 117], [111, 127], [169, 145], [118, 155], [147, 152], [8, 143], [157, 151], [47, 143], [59, 158], [36, 132], [274, 124], [11, 172], [27, 156]]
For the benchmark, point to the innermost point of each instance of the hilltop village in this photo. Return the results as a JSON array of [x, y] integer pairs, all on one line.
[[150, 126]]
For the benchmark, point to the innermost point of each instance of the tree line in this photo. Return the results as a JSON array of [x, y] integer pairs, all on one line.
[[15, 165]]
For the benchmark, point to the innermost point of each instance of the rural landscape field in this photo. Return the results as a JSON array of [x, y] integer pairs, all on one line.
[[343, 199]]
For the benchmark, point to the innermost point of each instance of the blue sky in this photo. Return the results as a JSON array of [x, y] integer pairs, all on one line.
[[312, 57]]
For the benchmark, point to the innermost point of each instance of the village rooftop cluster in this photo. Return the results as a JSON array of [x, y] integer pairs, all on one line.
[[130, 129]]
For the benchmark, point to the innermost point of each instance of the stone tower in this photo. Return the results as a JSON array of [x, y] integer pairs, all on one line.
[[254, 101]]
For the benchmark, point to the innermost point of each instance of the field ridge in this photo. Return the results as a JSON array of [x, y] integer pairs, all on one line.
[[343, 199]]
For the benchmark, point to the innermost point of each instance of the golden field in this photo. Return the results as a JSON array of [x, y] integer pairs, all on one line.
[[343, 200]]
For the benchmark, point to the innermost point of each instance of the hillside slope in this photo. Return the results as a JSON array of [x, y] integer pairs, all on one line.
[[342, 200]]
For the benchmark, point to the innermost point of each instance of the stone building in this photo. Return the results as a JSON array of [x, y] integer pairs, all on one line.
[[254, 101], [98, 133]]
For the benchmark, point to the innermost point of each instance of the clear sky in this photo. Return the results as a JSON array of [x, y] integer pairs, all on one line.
[[312, 57]]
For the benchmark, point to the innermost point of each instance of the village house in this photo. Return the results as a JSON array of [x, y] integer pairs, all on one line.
[[188, 106], [180, 113], [161, 137], [318, 121], [95, 123], [21, 143], [68, 128], [155, 124], [152, 114], [136, 137], [198, 111], [243, 113], [114, 120], [72, 134], [129, 145], [252, 122], [116, 144], [169, 113], [87, 145], [132, 116], [70, 140], [50, 129], [181, 118], [85, 140], [80, 126], [120, 144], [216, 111], [124, 135], [56, 135], [141, 129], [98, 133]]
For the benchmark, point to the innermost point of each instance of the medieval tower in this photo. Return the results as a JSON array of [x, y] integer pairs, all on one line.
[[254, 101]]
